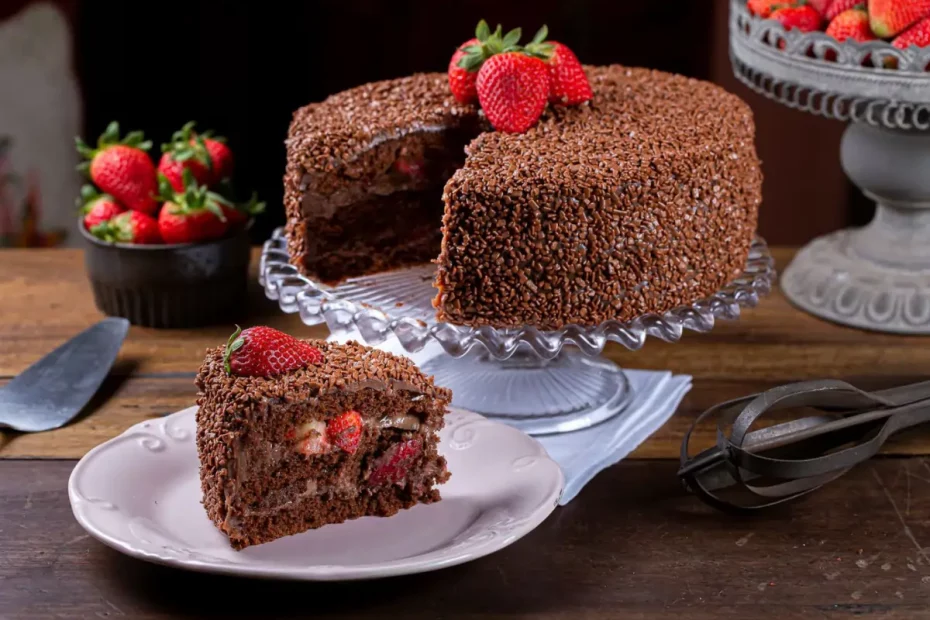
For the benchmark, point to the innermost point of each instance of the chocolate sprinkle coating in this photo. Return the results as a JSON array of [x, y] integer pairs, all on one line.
[[643, 199]]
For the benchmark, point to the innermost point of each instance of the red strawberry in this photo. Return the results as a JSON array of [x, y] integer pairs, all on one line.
[[237, 214], [852, 24], [513, 88], [345, 431], [391, 467], [568, 83], [470, 56], [462, 80], [129, 227], [97, 208], [803, 17], [918, 34], [820, 6], [222, 155], [838, 6], [122, 168], [195, 215], [265, 352], [764, 8], [208, 159], [890, 17]]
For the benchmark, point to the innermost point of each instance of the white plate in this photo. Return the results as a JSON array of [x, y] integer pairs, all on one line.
[[140, 494]]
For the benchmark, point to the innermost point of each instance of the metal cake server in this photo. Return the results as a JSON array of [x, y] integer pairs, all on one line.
[[788, 460], [56, 388]]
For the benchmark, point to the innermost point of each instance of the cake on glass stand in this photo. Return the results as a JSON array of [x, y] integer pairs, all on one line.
[[875, 277], [543, 382]]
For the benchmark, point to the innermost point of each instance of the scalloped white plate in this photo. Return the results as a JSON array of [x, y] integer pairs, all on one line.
[[140, 494]]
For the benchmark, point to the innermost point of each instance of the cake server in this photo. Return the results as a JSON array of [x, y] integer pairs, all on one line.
[[56, 388], [788, 460]]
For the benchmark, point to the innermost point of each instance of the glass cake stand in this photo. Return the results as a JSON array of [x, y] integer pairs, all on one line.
[[875, 277], [542, 382]]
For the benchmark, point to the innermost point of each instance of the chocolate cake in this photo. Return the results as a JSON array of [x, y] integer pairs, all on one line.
[[274, 456], [640, 200]]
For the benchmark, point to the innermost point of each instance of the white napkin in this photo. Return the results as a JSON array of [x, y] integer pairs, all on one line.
[[585, 453]]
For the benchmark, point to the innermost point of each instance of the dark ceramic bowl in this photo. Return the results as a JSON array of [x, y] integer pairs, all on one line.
[[170, 286]]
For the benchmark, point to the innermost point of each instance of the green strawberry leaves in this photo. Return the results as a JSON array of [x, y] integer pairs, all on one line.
[[89, 196], [232, 345], [491, 43], [539, 47], [187, 144], [110, 137]]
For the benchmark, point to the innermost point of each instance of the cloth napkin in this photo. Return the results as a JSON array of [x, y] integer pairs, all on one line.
[[585, 453]]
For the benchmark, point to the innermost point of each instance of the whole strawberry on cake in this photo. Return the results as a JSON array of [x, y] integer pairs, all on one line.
[[293, 435], [547, 192]]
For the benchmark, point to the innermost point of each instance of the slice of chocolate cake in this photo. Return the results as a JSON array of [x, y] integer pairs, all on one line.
[[293, 435]]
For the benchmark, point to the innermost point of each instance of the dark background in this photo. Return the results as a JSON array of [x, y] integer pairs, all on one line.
[[242, 68]]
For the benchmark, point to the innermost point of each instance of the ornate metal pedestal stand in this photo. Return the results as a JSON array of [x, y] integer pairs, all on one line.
[[876, 277]]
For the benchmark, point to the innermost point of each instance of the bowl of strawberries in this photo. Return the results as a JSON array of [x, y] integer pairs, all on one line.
[[167, 246]]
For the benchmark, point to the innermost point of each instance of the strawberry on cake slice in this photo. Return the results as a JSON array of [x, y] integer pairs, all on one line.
[[293, 435]]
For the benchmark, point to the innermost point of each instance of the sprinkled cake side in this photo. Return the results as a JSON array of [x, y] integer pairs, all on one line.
[[642, 200]]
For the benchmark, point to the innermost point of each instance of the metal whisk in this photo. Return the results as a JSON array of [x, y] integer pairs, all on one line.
[[785, 461]]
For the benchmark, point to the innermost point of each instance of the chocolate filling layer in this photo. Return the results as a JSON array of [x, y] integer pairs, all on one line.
[[384, 209]]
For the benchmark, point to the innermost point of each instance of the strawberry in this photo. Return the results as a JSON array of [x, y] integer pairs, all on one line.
[[513, 88], [129, 227], [470, 56], [208, 159], [345, 431], [802, 17], [96, 207], [820, 6], [764, 8], [568, 83], [462, 80], [852, 24], [265, 352], [195, 215], [891, 17], [918, 35], [391, 467], [838, 6], [122, 168]]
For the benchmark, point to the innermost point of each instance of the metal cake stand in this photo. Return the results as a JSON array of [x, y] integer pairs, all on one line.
[[874, 277], [543, 382]]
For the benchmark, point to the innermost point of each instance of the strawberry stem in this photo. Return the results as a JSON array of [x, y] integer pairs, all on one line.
[[194, 197], [188, 144], [488, 45], [110, 137], [232, 345]]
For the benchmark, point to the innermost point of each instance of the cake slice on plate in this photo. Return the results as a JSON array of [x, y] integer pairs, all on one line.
[[296, 434]]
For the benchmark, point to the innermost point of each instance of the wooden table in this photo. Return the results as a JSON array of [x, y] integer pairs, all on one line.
[[633, 544]]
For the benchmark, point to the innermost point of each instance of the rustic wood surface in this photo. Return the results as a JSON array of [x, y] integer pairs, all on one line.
[[633, 544], [46, 300]]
